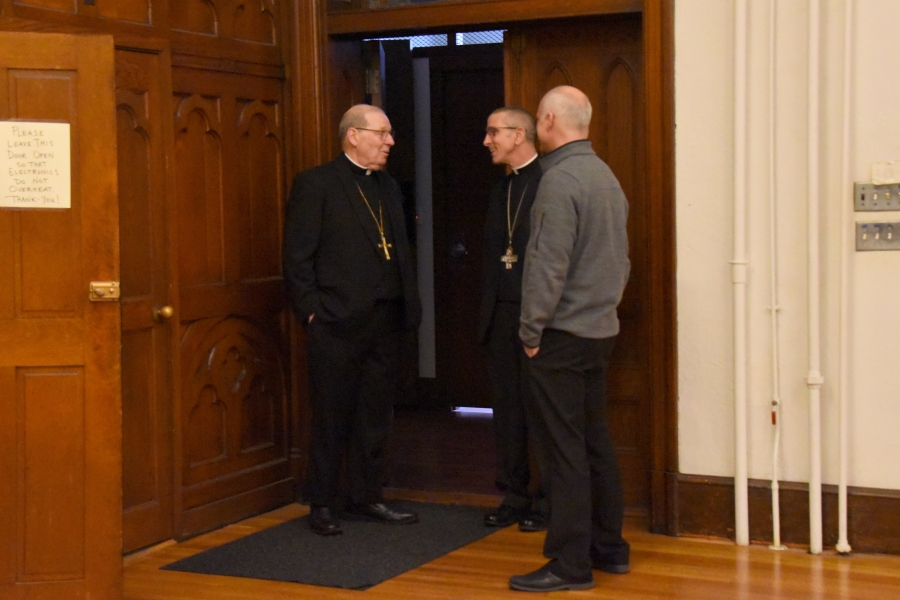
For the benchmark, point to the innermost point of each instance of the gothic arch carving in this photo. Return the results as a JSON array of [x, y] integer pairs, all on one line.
[[200, 191], [254, 21], [234, 401], [195, 16], [557, 75], [260, 168]]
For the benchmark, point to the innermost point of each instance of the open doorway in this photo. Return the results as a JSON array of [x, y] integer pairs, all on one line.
[[604, 56], [438, 91]]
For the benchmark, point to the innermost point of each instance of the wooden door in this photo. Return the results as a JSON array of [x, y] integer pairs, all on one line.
[[149, 295], [60, 427], [231, 417], [466, 86], [602, 56], [346, 85]]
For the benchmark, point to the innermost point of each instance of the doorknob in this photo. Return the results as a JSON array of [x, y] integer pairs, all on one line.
[[458, 250], [163, 313]]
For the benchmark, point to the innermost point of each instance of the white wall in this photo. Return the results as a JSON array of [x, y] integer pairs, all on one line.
[[704, 107]]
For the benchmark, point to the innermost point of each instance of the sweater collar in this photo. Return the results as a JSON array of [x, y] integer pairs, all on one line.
[[565, 151]]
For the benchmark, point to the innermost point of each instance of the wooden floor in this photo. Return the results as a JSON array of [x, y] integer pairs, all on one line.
[[662, 567]]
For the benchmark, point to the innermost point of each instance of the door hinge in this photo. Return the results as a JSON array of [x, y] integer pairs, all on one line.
[[373, 81]]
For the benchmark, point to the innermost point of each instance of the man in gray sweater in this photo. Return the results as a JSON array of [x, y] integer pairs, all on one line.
[[576, 268]]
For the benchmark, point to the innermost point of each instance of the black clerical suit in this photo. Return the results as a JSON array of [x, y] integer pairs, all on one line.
[[498, 328], [335, 268]]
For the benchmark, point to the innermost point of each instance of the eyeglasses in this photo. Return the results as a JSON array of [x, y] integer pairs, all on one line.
[[493, 131], [381, 132]]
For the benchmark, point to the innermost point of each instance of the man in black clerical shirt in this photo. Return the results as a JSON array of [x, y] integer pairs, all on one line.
[[511, 138], [351, 282]]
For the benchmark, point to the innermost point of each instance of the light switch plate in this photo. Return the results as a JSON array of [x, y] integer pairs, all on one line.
[[877, 236], [872, 197]]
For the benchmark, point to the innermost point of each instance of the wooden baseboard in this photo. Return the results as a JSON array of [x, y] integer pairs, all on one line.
[[483, 500], [704, 506]]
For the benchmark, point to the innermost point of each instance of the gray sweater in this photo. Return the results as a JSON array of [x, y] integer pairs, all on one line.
[[576, 264]]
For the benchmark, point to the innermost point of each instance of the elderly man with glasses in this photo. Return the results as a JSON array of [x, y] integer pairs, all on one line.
[[351, 282], [510, 137]]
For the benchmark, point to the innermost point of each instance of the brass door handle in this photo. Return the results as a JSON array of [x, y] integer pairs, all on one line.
[[163, 313]]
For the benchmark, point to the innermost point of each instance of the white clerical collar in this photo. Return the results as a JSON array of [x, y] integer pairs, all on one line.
[[522, 166], [368, 171]]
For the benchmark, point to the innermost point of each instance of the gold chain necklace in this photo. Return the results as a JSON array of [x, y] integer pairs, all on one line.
[[509, 258], [379, 222]]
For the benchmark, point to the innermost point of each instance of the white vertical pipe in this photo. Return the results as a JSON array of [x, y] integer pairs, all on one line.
[[847, 225], [775, 305], [814, 378], [739, 276]]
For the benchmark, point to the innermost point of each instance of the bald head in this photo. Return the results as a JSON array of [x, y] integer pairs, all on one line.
[[564, 116], [366, 136], [356, 116]]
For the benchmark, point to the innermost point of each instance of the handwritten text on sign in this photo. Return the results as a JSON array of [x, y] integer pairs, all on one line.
[[35, 165]]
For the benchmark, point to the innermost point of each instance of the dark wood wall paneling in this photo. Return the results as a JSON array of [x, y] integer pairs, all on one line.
[[705, 507], [243, 31], [204, 172]]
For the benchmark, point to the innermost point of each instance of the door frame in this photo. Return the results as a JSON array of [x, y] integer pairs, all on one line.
[[313, 24]]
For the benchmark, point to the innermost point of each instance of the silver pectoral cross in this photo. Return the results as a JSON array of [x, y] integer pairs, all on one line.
[[509, 258]]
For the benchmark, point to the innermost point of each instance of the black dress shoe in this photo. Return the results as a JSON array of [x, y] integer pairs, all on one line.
[[533, 522], [321, 521], [382, 514], [502, 516], [543, 580]]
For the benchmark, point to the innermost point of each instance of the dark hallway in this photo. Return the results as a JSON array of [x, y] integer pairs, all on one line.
[[442, 451]]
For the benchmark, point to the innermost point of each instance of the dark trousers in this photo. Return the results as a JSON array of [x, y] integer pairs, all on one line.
[[514, 411], [585, 489], [353, 381]]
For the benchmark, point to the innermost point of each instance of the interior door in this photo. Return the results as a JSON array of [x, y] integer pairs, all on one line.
[[466, 86], [602, 56], [60, 426], [231, 417], [148, 294], [346, 84]]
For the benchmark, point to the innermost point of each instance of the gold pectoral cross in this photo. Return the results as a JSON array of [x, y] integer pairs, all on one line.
[[379, 223], [509, 258], [384, 245]]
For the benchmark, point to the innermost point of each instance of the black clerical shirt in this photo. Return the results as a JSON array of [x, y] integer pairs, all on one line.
[[524, 188], [391, 286]]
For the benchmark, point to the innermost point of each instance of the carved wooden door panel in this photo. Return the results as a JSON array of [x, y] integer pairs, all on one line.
[[231, 439], [60, 429], [148, 294], [603, 57]]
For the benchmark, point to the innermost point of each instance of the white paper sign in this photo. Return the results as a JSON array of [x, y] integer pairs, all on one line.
[[35, 165], [884, 173]]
